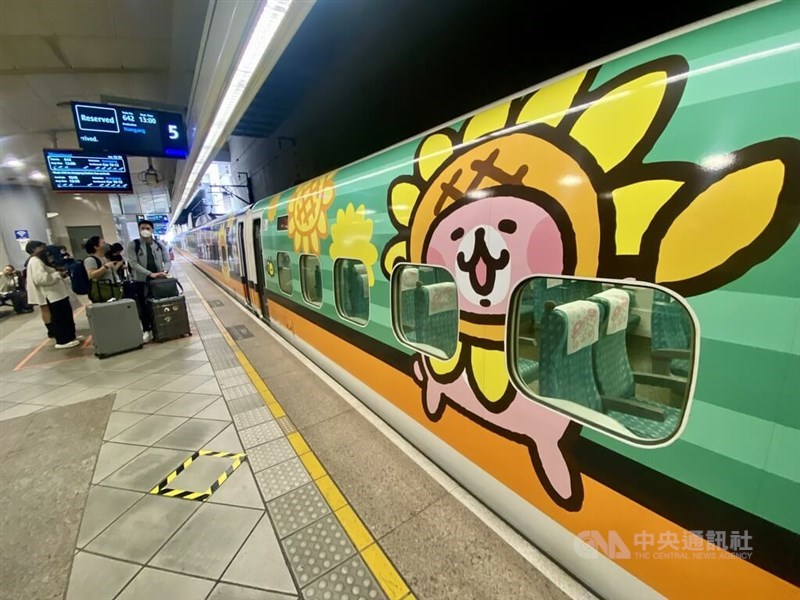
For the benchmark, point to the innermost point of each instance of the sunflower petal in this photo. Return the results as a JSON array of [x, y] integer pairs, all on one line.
[[550, 104], [397, 251], [612, 126], [726, 218], [402, 199], [433, 152], [636, 205], [492, 119]]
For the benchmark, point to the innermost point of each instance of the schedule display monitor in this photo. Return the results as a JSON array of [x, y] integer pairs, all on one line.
[[128, 130], [77, 171]]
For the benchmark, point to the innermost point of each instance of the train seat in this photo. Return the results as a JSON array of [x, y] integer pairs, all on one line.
[[436, 308], [565, 370], [671, 336], [616, 381]]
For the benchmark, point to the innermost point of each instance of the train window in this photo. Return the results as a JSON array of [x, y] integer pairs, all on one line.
[[285, 273], [616, 356], [311, 279], [351, 290], [425, 309]]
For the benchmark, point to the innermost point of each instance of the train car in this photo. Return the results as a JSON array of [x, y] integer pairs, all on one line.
[[582, 302]]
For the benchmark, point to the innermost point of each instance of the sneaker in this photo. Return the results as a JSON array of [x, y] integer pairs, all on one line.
[[71, 344], [80, 338], [147, 337]]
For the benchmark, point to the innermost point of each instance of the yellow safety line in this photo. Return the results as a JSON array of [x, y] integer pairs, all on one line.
[[376, 560]]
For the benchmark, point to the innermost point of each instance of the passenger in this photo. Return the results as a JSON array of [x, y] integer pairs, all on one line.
[[147, 260], [10, 287], [115, 254], [101, 271], [46, 287]]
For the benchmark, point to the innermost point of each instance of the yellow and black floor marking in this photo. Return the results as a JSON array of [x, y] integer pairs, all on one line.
[[163, 489]]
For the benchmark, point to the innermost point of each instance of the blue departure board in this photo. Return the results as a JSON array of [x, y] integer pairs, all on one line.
[[76, 171], [127, 130], [160, 223]]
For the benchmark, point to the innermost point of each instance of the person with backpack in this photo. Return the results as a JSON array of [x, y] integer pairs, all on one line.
[[148, 259], [47, 288], [101, 272]]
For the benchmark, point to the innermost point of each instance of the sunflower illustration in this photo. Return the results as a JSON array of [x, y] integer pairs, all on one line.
[[556, 182], [270, 267], [688, 226], [352, 237], [308, 220]]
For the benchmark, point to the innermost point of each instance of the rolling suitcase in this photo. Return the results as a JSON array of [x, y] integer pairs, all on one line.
[[164, 288], [170, 318], [115, 327]]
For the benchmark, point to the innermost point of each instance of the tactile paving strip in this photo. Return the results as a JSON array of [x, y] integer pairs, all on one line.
[[252, 417], [245, 403], [286, 425], [297, 509], [317, 548], [239, 391], [263, 432], [223, 373], [233, 381], [351, 580], [270, 454], [282, 478]]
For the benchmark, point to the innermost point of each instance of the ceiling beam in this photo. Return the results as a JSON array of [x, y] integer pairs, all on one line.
[[87, 71]]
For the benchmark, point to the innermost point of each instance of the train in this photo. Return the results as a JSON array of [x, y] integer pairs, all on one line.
[[582, 302]]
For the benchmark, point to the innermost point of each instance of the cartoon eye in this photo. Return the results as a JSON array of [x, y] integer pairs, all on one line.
[[457, 234], [507, 226]]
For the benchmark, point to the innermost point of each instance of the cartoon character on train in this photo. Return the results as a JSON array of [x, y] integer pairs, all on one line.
[[556, 183]]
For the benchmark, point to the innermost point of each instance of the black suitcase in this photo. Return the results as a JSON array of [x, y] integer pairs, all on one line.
[[170, 318], [166, 287]]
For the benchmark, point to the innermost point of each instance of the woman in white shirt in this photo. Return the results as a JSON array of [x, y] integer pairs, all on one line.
[[46, 287]]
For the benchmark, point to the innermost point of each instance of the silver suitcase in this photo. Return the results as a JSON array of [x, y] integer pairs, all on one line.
[[115, 327]]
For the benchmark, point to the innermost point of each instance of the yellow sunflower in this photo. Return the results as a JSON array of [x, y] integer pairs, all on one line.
[[270, 268], [352, 237], [675, 223], [272, 208], [308, 221]]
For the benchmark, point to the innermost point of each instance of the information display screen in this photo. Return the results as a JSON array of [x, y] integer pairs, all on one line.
[[127, 130], [160, 223], [76, 171]]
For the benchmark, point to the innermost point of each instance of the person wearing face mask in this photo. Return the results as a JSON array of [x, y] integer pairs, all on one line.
[[147, 260], [101, 271], [47, 287]]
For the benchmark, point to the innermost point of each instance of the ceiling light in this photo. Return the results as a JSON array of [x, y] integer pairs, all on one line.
[[51, 215], [13, 163], [272, 14], [36, 175]]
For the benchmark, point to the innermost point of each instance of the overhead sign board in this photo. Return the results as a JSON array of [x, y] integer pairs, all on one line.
[[128, 130], [76, 171], [160, 223]]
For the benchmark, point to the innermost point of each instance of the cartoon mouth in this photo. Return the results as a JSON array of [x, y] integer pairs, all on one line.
[[482, 267]]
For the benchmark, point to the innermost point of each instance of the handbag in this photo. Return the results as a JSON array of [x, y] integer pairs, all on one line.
[[103, 291]]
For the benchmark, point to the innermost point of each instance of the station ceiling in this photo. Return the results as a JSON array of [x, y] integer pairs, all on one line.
[[52, 52]]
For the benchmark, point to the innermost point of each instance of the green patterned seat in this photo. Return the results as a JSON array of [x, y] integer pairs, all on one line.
[[617, 381], [671, 331], [436, 326], [562, 375]]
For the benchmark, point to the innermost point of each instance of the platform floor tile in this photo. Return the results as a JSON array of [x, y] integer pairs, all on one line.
[[259, 434], [317, 549], [272, 453], [297, 509], [351, 580], [282, 478]]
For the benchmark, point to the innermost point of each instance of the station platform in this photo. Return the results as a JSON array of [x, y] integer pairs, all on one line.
[[227, 466]]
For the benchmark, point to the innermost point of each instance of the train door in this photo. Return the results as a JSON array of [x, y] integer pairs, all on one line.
[[243, 264], [260, 283]]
